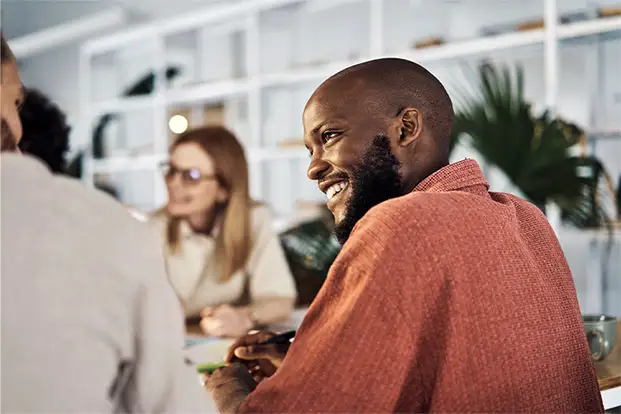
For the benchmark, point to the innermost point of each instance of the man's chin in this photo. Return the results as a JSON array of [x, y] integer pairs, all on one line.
[[342, 230]]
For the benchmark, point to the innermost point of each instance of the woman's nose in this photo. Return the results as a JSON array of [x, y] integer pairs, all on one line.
[[174, 181]]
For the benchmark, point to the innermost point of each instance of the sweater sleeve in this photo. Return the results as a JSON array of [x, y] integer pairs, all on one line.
[[353, 350], [161, 382]]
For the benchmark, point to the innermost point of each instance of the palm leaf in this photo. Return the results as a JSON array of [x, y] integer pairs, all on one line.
[[533, 152]]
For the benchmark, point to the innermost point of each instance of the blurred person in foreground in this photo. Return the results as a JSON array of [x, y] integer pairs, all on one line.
[[224, 259], [442, 287], [45, 130], [82, 331], [11, 100], [46, 137]]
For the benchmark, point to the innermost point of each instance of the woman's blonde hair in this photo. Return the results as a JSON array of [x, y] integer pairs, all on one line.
[[234, 239]]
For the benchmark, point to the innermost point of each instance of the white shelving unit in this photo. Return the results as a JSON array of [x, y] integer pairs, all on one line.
[[245, 19]]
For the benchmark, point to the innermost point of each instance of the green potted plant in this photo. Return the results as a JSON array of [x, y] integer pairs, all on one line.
[[533, 151]]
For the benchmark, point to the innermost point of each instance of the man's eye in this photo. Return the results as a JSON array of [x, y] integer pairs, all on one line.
[[328, 135]]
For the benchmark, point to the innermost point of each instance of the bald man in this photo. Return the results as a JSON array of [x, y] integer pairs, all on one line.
[[446, 297]]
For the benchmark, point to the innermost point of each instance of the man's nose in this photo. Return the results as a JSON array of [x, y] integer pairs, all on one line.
[[317, 168]]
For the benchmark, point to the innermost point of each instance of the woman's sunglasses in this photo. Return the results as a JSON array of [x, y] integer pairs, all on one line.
[[188, 176]]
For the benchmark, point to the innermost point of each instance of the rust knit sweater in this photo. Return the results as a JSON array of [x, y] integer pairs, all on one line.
[[448, 299]]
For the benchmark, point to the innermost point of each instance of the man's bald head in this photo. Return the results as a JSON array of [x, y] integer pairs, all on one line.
[[375, 131], [387, 86]]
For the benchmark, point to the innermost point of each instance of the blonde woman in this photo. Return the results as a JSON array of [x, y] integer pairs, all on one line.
[[224, 260]]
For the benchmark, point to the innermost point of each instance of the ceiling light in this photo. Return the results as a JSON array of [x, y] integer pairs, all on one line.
[[178, 124]]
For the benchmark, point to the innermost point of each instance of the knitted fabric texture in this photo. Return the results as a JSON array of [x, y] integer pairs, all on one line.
[[448, 299]]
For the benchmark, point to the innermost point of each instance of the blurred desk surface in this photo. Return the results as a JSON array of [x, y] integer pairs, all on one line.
[[194, 330], [609, 375]]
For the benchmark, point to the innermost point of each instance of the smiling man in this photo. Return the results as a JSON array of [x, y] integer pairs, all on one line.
[[446, 297]]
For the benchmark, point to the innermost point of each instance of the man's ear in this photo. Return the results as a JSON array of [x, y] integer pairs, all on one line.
[[411, 125]]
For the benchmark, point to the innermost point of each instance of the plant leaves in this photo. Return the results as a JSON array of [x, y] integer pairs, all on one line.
[[533, 151]]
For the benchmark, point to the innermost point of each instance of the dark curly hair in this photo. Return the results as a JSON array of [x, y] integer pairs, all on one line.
[[46, 133]]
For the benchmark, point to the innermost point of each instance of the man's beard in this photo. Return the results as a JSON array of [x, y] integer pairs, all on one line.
[[8, 142], [374, 180]]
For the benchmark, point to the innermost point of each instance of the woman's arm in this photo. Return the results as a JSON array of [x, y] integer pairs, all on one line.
[[225, 320], [272, 288], [266, 310]]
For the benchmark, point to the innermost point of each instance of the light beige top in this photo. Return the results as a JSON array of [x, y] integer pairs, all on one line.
[[84, 289], [193, 270]]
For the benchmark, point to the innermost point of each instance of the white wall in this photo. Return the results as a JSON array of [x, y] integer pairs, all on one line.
[[297, 39]]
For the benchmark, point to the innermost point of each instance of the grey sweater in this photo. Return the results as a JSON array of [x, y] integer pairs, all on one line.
[[90, 323]]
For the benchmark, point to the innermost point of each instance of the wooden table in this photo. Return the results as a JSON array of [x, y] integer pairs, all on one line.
[[609, 375]]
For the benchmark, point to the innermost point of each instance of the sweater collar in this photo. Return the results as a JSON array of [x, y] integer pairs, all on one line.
[[464, 175]]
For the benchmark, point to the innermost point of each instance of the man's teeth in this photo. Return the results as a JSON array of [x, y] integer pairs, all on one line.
[[335, 189]]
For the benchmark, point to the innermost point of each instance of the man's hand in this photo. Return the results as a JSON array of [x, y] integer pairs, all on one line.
[[229, 386], [261, 361], [225, 321]]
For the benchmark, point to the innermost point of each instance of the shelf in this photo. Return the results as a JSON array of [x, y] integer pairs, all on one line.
[[604, 135], [476, 47], [454, 50], [190, 21], [118, 164], [589, 27], [303, 74], [277, 154], [121, 105], [204, 92], [151, 162]]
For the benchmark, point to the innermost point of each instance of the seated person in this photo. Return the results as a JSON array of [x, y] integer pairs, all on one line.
[[224, 260], [442, 286]]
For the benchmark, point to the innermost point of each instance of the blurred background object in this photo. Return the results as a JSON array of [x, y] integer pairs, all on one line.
[[310, 247]]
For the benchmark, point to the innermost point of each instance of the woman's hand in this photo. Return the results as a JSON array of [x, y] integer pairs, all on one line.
[[262, 361], [225, 321]]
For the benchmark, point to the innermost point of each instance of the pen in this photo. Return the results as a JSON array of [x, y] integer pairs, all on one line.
[[283, 338]]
